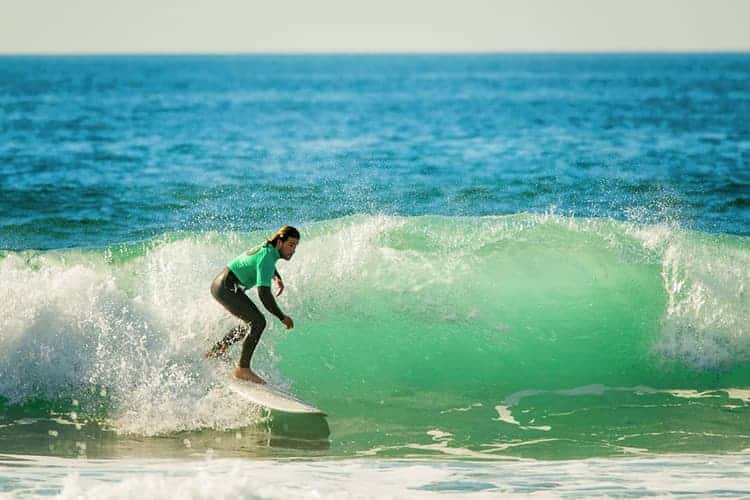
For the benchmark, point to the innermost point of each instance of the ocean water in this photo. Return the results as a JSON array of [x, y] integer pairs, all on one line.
[[518, 274]]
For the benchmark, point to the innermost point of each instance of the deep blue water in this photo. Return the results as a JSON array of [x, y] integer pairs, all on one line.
[[102, 150]]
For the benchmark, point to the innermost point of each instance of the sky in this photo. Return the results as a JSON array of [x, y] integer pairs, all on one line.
[[312, 26]]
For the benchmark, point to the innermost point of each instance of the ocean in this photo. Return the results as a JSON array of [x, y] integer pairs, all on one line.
[[518, 274]]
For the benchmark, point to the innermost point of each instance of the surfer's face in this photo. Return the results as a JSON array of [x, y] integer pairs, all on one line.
[[287, 248]]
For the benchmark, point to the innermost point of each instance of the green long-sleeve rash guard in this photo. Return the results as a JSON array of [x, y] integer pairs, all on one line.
[[257, 267]]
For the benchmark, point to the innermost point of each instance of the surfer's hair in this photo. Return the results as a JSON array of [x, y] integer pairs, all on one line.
[[283, 234]]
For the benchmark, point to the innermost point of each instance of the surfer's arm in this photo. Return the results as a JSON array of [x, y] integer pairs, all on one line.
[[279, 282], [266, 297]]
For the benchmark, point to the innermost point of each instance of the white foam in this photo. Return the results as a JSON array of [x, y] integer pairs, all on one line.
[[599, 390], [438, 435], [662, 476], [707, 318], [741, 394], [504, 415], [462, 409], [690, 394]]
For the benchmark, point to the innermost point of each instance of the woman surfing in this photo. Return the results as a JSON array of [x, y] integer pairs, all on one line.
[[256, 267]]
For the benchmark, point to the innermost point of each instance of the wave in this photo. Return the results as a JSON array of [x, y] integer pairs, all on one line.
[[426, 313]]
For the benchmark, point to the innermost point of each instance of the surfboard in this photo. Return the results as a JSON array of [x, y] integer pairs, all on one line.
[[272, 397]]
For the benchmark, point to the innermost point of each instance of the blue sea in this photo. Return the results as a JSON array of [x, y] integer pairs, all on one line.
[[518, 274]]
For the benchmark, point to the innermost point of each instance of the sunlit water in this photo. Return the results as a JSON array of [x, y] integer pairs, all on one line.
[[518, 274]]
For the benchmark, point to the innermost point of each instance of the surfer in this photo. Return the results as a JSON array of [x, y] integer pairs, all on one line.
[[256, 267]]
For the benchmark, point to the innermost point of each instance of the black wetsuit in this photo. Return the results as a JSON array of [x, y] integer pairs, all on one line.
[[227, 289]]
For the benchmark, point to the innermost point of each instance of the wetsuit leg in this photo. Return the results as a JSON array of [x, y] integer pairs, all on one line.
[[227, 291]]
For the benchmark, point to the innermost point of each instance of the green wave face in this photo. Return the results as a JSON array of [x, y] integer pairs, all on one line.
[[539, 336]]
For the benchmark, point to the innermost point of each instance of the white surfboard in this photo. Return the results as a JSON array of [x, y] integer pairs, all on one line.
[[271, 397]]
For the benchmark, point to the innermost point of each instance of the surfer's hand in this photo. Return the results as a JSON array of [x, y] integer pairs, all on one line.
[[279, 285], [288, 322]]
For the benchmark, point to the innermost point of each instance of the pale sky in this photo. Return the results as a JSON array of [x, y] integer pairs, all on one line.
[[281, 26]]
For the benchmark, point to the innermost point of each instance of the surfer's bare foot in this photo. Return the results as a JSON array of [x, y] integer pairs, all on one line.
[[247, 374]]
